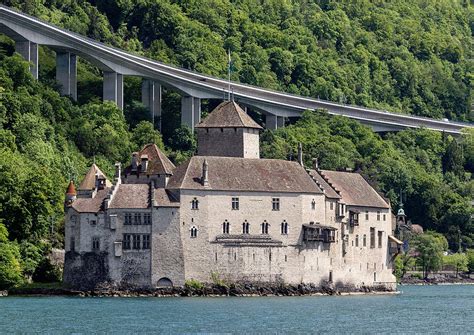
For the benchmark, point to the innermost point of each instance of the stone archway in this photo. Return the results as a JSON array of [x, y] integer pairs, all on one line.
[[164, 282]]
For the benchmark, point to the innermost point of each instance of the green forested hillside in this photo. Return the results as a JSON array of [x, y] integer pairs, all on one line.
[[404, 56]]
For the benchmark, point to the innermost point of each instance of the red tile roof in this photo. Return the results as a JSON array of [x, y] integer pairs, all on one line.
[[131, 196], [71, 189], [158, 163], [322, 183]]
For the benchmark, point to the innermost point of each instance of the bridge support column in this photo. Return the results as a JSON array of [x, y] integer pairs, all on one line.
[[271, 122], [66, 73], [190, 111], [29, 51], [113, 88], [280, 121], [151, 98]]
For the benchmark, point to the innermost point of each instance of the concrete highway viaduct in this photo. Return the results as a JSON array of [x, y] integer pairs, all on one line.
[[29, 32]]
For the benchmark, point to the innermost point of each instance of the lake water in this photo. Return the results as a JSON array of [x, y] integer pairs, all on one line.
[[418, 309]]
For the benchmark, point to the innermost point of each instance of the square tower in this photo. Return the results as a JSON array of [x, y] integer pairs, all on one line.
[[228, 131]]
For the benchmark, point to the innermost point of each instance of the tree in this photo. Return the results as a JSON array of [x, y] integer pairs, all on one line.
[[144, 133], [430, 247], [457, 261], [10, 268], [403, 263]]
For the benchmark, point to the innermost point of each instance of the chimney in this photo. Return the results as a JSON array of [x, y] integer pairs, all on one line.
[[300, 154], [144, 160], [118, 171], [316, 164], [205, 173], [134, 161]]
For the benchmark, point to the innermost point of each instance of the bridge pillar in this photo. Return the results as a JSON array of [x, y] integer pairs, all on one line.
[[274, 122], [190, 111], [113, 88], [66, 73], [280, 121], [151, 98], [29, 51]]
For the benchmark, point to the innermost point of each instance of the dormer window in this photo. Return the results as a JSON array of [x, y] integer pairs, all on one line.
[[195, 204]]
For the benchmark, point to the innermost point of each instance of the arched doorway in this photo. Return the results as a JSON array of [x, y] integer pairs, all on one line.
[[164, 282]]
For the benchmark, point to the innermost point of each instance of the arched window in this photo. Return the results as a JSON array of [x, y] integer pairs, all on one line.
[[265, 226], [364, 241], [245, 227], [194, 231], [195, 204], [284, 228], [313, 205], [225, 227]]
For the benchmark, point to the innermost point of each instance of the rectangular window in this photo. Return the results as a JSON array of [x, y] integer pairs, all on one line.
[[380, 238], [146, 242], [384, 217], [126, 241], [136, 241], [357, 240], [138, 219], [331, 205], [95, 244], [366, 215], [147, 218], [372, 237], [72, 246], [235, 204], [93, 222], [275, 204], [364, 241], [378, 215], [128, 219]]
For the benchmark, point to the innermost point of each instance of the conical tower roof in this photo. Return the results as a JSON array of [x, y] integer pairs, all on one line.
[[228, 115], [71, 189], [88, 183]]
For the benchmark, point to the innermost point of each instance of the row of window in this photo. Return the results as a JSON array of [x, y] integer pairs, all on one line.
[[235, 204], [372, 239], [137, 219], [136, 241], [245, 228]]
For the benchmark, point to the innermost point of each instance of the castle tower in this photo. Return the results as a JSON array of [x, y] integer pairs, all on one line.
[[228, 131], [71, 194]]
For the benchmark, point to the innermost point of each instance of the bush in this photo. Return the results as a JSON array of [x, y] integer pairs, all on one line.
[[10, 268], [194, 284], [470, 260], [47, 272]]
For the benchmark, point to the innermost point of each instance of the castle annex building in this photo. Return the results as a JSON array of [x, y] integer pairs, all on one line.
[[226, 212]]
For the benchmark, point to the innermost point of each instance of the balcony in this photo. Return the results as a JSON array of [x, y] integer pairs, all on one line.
[[319, 233]]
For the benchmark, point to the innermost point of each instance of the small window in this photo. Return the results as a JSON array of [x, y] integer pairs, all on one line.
[[72, 245], [384, 217], [331, 205], [265, 226], [128, 219], [235, 204], [195, 204], [366, 215], [380, 235], [147, 218], [225, 227], [313, 205], [378, 215], [284, 228], [93, 222], [126, 241], [136, 241], [95, 243], [372, 237], [364, 240], [245, 227], [146, 242], [137, 219], [194, 232], [357, 240], [275, 204]]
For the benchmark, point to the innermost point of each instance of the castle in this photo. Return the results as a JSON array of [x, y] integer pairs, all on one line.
[[225, 212]]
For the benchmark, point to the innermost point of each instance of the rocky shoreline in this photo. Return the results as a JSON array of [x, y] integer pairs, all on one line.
[[438, 280], [206, 290]]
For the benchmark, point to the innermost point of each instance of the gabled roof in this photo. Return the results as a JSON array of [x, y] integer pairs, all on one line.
[[158, 163], [91, 205], [164, 198], [329, 191], [131, 196], [228, 115], [354, 189], [243, 174], [88, 183]]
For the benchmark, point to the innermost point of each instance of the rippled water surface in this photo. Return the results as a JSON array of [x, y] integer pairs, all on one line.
[[418, 309]]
